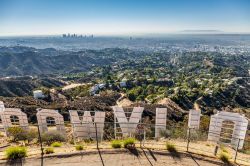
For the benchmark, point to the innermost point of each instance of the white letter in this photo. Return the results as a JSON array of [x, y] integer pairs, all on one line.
[[127, 126], [45, 115], [85, 128], [160, 121]]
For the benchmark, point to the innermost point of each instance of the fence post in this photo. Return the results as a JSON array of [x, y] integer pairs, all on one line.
[[236, 152], [41, 144], [188, 139], [97, 143], [115, 126], [144, 136], [216, 149], [140, 129], [73, 134]]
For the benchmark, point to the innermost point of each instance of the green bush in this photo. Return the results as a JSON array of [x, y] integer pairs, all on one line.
[[224, 150], [51, 137], [224, 157], [56, 144], [129, 143], [131, 96], [79, 147], [171, 147], [49, 150], [204, 123], [116, 144], [15, 152], [17, 134]]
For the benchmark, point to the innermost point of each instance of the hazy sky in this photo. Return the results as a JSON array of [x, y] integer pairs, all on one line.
[[106, 17]]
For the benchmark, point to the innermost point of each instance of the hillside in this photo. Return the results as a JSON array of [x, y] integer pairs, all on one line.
[[213, 80], [23, 86], [20, 61]]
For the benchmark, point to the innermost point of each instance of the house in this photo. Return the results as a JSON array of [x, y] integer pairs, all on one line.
[[123, 83], [101, 86], [93, 90], [38, 94]]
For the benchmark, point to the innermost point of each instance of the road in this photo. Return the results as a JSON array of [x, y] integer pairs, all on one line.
[[140, 157]]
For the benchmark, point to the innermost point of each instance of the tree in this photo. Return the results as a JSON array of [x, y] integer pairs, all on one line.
[[131, 96]]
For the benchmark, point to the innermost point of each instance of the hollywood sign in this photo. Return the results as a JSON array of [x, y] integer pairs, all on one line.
[[84, 126], [91, 124]]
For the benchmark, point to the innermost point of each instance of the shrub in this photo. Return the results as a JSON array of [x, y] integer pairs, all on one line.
[[79, 147], [224, 157], [1, 135], [129, 143], [72, 141], [171, 147], [223, 149], [56, 144], [31, 135], [15, 152], [165, 133], [204, 123], [49, 150], [51, 137], [131, 96], [17, 133], [89, 140], [177, 132], [116, 144], [246, 147]]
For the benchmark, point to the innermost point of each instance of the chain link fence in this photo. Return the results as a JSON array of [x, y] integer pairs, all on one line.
[[94, 136]]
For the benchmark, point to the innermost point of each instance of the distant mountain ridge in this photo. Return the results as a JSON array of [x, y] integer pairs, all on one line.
[[209, 31]]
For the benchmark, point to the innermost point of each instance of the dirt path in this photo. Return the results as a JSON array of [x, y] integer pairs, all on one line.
[[73, 85], [140, 157]]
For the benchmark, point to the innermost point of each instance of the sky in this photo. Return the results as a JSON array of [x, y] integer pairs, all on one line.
[[122, 17]]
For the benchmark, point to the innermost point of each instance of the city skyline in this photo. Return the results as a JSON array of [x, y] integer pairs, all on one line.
[[110, 17]]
